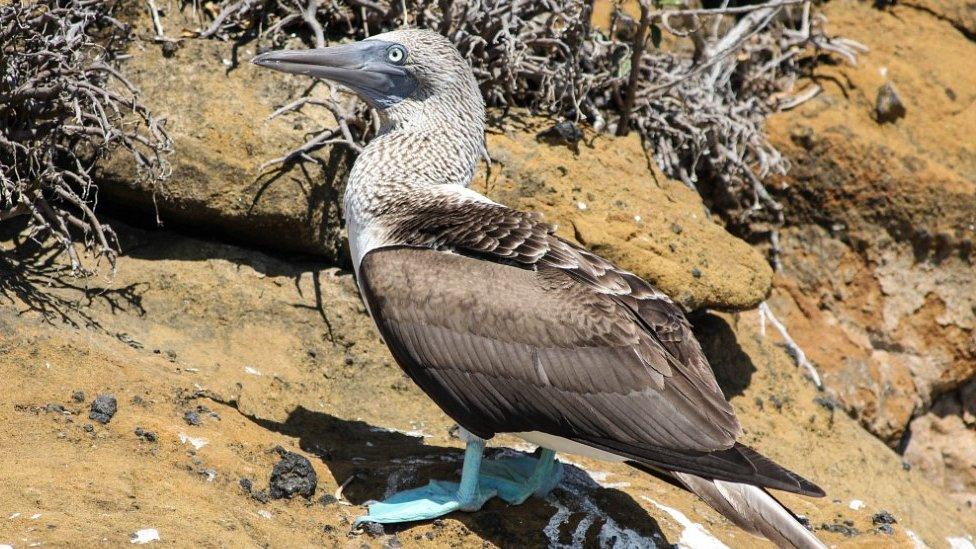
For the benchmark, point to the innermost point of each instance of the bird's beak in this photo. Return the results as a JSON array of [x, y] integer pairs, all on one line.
[[361, 66]]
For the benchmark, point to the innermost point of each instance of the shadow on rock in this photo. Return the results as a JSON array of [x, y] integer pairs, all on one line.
[[732, 366], [380, 462], [34, 280], [154, 245]]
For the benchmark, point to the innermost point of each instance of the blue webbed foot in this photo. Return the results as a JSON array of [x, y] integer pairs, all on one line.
[[425, 503], [517, 478], [511, 479]]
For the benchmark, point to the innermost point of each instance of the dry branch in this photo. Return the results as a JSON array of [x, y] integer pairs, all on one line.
[[63, 106]]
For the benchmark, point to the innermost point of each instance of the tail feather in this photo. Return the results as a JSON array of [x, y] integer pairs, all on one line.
[[739, 463], [752, 509]]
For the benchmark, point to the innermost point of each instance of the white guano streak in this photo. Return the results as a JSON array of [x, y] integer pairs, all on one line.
[[693, 535]]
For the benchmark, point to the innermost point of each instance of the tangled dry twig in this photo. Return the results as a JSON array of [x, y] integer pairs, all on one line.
[[700, 105], [63, 106]]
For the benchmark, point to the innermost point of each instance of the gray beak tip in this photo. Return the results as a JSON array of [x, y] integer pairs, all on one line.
[[261, 60]]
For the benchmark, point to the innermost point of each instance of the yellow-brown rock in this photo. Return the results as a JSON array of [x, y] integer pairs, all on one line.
[[879, 284], [609, 198], [217, 115]]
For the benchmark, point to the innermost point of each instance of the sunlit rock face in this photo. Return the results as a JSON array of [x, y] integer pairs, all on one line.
[[879, 279]]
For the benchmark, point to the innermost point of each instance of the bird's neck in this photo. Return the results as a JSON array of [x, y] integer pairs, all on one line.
[[421, 144]]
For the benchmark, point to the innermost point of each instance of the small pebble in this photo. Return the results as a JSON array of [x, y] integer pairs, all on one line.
[[54, 408], [169, 48], [145, 435], [886, 529], [103, 408], [888, 105], [192, 418], [565, 132], [89, 428], [883, 517], [246, 485], [374, 529], [838, 528], [78, 396], [327, 499]]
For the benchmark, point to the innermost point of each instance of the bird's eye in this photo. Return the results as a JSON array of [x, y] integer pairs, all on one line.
[[396, 54]]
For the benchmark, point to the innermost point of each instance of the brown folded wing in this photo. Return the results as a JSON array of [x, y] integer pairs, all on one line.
[[511, 329], [503, 349]]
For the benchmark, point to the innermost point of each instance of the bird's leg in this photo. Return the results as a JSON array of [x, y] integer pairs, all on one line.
[[544, 477], [439, 497], [517, 478], [468, 489]]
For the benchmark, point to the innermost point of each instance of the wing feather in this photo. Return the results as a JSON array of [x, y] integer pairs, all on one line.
[[510, 328], [522, 352]]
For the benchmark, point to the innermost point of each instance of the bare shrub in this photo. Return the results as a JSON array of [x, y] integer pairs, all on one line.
[[64, 106], [699, 104]]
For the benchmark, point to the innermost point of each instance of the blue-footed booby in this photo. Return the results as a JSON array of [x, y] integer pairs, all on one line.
[[508, 327]]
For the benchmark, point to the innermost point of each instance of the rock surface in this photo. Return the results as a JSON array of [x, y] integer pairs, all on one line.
[[879, 282], [609, 199], [286, 356], [942, 444], [217, 116]]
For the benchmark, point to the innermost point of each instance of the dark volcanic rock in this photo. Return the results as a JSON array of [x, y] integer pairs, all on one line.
[[327, 499], [103, 408], [888, 105], [145, 435], [565, 133], [192, 418], [883, 517], [54, 408], [292, 475], [844, 528], [373, 529]]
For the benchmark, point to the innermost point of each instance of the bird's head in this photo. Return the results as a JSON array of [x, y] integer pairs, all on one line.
[[393, 71]]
